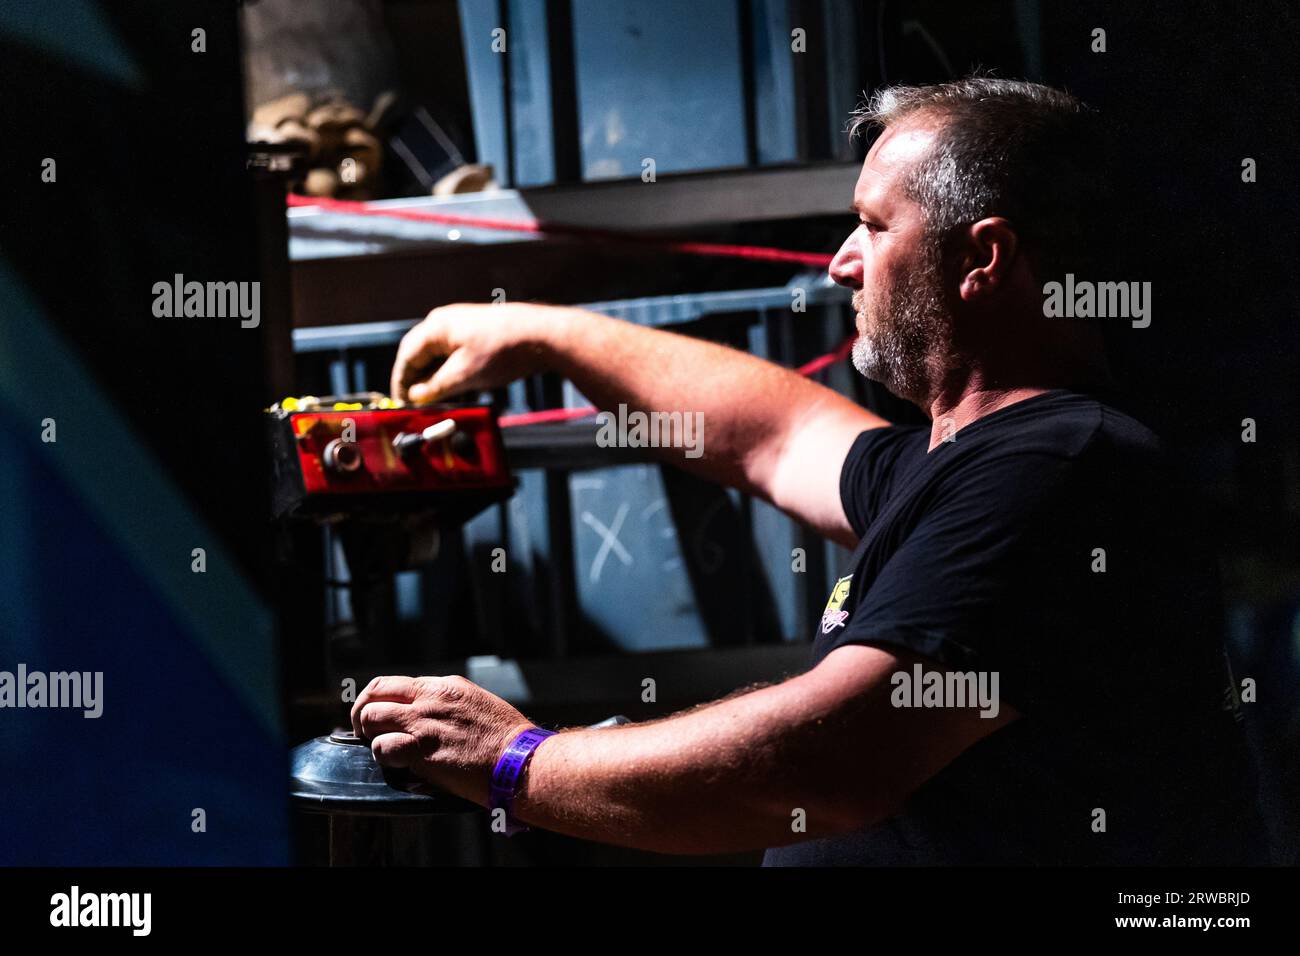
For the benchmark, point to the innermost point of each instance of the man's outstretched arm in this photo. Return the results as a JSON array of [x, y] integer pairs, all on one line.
[[727, 777], [766, 429]]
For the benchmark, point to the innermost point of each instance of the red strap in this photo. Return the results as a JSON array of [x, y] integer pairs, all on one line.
[[762, 253]]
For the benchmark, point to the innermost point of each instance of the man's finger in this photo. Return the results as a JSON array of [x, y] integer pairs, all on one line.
[[400, 689], [450, 377], [395, 750], [392, 687], [418, 349], [382, 717]]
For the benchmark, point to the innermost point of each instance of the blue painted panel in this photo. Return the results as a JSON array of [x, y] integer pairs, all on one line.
[[478, 18], [629, 561], [174, 735], [659, 80], [530, 86], [774, 103]]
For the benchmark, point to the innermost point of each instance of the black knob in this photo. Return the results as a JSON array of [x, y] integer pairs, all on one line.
[[342, 457], [463, 444]]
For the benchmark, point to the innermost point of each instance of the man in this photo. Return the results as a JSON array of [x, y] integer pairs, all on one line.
[[1020, 664]]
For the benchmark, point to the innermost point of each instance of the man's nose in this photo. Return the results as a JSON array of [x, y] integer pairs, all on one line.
[[846, 267]]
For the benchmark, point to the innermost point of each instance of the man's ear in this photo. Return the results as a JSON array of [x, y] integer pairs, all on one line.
[[988, 258]]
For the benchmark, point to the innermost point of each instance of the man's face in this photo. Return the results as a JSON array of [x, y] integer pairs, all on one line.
[[902, 320]]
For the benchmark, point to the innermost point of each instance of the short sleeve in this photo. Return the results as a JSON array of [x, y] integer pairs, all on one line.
[[988, 579], [872, 467]]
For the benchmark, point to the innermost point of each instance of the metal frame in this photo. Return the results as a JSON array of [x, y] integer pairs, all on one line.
[[677, 202], [651, 310]]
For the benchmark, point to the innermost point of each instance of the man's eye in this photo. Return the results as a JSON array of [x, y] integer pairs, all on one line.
[[869, 226]]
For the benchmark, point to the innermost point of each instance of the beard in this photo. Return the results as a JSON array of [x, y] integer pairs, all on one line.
[[905, 330]]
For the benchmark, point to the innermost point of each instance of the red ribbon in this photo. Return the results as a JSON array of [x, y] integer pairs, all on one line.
[[760, 253]]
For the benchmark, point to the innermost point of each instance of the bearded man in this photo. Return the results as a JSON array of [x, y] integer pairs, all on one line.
[[1021, 663]]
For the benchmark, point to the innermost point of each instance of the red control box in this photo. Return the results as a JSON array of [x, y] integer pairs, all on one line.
[[366, 453]]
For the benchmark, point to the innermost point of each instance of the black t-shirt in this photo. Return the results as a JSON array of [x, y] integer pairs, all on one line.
[[1043, 543]]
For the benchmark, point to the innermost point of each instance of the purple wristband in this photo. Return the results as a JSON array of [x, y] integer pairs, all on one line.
[[509, 768]]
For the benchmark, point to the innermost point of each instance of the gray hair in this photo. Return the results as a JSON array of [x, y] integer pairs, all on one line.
[[1010, 148]]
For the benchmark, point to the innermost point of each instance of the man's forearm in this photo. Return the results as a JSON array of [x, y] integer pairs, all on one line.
[[729, 777], [749, 407]]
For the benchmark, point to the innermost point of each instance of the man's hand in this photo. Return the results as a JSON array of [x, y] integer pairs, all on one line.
[[484, 346], [446, 730]]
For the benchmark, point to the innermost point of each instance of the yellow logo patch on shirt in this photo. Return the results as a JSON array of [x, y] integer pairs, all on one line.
[[834, 616]]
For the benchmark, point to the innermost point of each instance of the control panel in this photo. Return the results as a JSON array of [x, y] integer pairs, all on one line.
[[367, 452]]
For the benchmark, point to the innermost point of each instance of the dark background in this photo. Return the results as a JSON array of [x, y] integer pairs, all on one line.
[[152, 181]]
